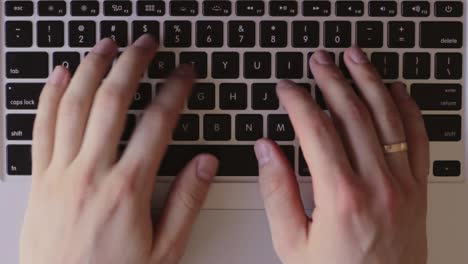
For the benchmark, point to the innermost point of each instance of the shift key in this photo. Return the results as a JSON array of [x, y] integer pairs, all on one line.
[[441, 35], [443, 127], [27, 65]]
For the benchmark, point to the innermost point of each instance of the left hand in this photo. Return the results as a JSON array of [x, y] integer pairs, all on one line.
[[85, 205]]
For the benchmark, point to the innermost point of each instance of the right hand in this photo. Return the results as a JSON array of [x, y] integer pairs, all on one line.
[[370, 206]]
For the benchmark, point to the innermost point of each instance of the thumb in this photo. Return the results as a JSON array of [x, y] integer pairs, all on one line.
[[280, 192]]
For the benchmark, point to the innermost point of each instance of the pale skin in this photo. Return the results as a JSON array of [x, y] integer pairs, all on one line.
[[88, 206]]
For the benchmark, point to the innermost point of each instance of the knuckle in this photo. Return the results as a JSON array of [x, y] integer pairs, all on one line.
[[160, 115], [392, 200], [392, 120], [351, 200], [357, 111], [271, 187], [72, 104], [112, 95], [190, 199]]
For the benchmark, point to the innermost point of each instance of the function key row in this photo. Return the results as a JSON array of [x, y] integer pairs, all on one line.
[[243, 8], [272, 34]]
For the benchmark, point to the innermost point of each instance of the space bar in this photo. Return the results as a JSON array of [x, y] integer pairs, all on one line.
[[234, 160]]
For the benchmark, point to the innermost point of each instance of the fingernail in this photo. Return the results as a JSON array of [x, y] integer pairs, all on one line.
[[322, 57], [105, 47], [58, 75], [206, 168], [284, 84], [358, 56], [263, 153], [146, 41]]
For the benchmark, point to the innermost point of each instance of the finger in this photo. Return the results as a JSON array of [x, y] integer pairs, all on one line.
[[415, 130], [46, 118], [319, 140], [76, 102], [151, 137], [184, 202], [283, 204], [109, 111], [382, 108], [351, 117]]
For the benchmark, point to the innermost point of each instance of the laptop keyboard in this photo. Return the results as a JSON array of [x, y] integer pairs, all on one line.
[[240, 49]]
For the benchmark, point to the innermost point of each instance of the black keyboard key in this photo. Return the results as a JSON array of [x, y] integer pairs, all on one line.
[[19, 159], [50, 34], [273, 34], [349, 8], [401, 34], [203, 97], [233, 96], [369, 34], [250, 8], [241, 34], [305, 34], [210, 34], [289, 65], [416, 8], [217, 8], [217, 127], [177, 34], [184, 8], [303, 167], [386, 64], [225, 65], [69, 60], [84, 8], [443, 127], [23, 95], [142, 97], [337, 34], [257, 65], [316, 8], [383, 8], [198, 60], [441, 35], [448, 66], [446, 168], [230, 156], [283, 8], [151, 8], [18, 65], [280, 128], [249, 127], [188, 128], [445, 97], [162, 65], [145, 27], [117, 8], [20, 126], [264, 96], [449, 8], [416, 65], [19, 8], [18, 34], [52, 8], [116, 30], [82, 33]]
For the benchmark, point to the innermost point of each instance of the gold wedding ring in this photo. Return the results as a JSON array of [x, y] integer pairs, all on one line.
[[394, 148]]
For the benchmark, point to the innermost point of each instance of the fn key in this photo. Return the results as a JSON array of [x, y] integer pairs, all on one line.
[[19, 160]]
